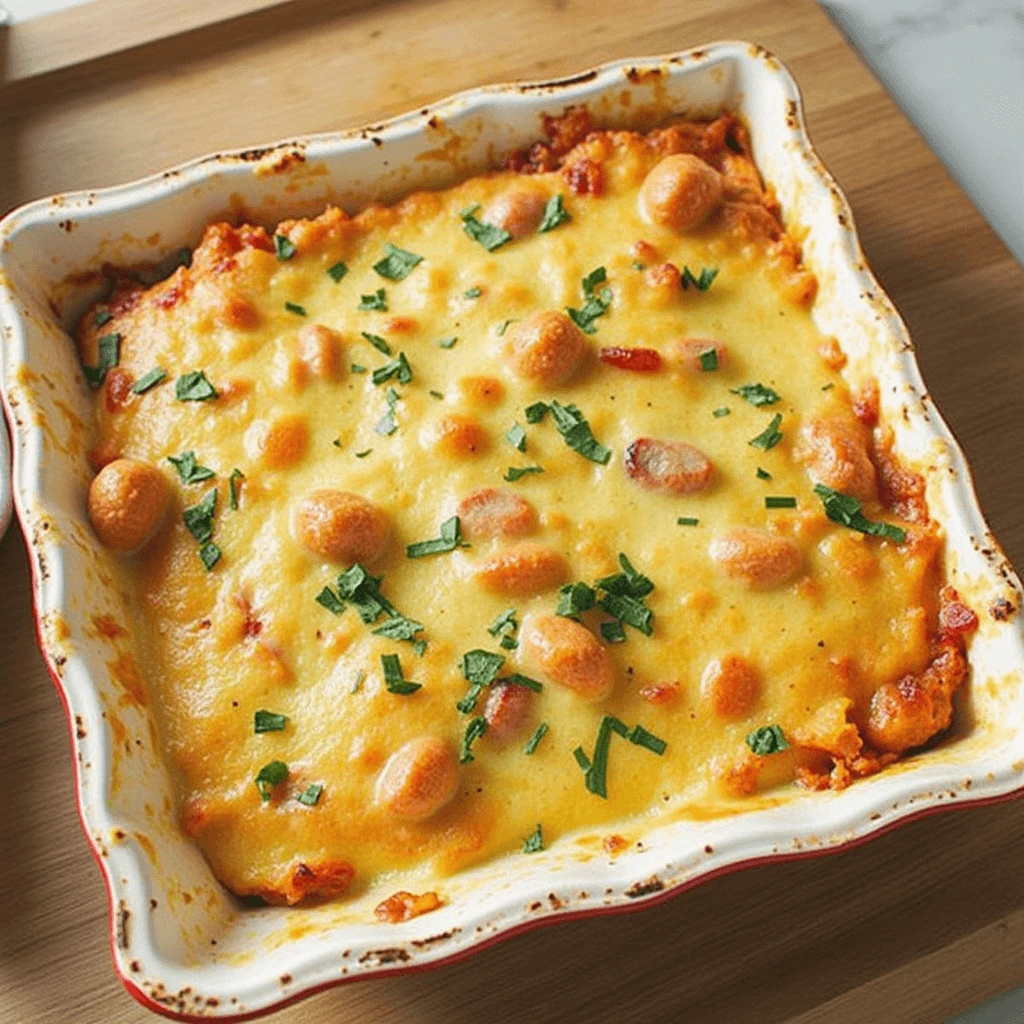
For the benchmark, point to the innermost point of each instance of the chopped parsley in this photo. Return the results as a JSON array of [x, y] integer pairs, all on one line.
[[357, 368], [621, 595], [357, 587], [534, 740], [472, 293], [209, 555], [479, 668], [535, 843], [489, 236], [702, 281], [709, 359], [475, 728], [769, 739], [311, 794], [508, 643], [269, 776], [518, 472], [504, 327], [595, 768], [687, 521], [102, 316], [575, 429], [269, 721], [437, 395], [294, 307], [779, 502], [284, 247], [188, 469], [756, 394], [109, 353], [199, 518], [642, 738], [377, 342], [770, 436], [554, 214], [763, 474], [388, 424], [720, 412], [613, 633], [447, 342], [597, 302], [516, 436], [536, 412], [506, 622], [236, 475], [363, 454], [449, 540], [574, 599], [397, 264], [194, 387], [515, 679], [378, 301], [393, 680], [149, 380], [827, 387], [337, 271], [398, 368], [842, 508]]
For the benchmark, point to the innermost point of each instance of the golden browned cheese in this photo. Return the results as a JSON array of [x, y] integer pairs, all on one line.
[[639, 319]]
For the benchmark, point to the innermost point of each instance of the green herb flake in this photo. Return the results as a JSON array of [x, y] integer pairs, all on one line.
[[613, 632], [844, 509], [515, 679], [419, 647], [827, 387], [769, 739], [311, 794], [642, 738], [397, 264], [535, 843], [284, 247], [508, 644], [756, 394], [504, 327], [437, 395], [377, 342], [269, 721], [489, 236], [194, 387], [475, 728], [236, 475], [109, 355], [534, 741], [188, 469], [388, 423], [377, 302], [554, 214], [515, 473], [575, 429], [708, 359], [779, 502], [505, 623], [449, 540], [357, 587], [363, 454], [763, 474], [337, 271], [447, 342], [149, 380], [199, 518], [770, 436], [398, 368], [702, 281], [597, 302], [209, 555], [516, 437], [596, 776], [472, 293], [294, 307], [687, 521], [637, 265], [330, 600], [269, 776], [720, 412], [393, 680], [358, 684], [536, 412], [102, 316], [581, 759], [479, 668], [574, 599], [357, 368]]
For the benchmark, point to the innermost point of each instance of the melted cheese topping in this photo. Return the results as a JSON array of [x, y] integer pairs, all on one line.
[[806, 655]]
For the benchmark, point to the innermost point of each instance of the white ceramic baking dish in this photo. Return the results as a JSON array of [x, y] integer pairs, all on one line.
[[180, 942]]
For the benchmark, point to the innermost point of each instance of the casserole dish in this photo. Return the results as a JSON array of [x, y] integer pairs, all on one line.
[[165, 952]]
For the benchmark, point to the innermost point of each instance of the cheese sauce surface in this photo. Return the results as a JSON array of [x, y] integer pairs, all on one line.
[[782, 643]]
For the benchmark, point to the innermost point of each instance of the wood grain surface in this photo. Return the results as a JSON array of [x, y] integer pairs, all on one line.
[[909, 928]]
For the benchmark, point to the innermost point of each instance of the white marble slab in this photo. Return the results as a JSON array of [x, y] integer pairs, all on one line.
[[956, 67]]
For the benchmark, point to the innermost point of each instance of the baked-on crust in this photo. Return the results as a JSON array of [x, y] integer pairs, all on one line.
[[600, 357]]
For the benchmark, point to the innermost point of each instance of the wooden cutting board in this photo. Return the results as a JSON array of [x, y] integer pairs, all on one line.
[[912, 927]]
